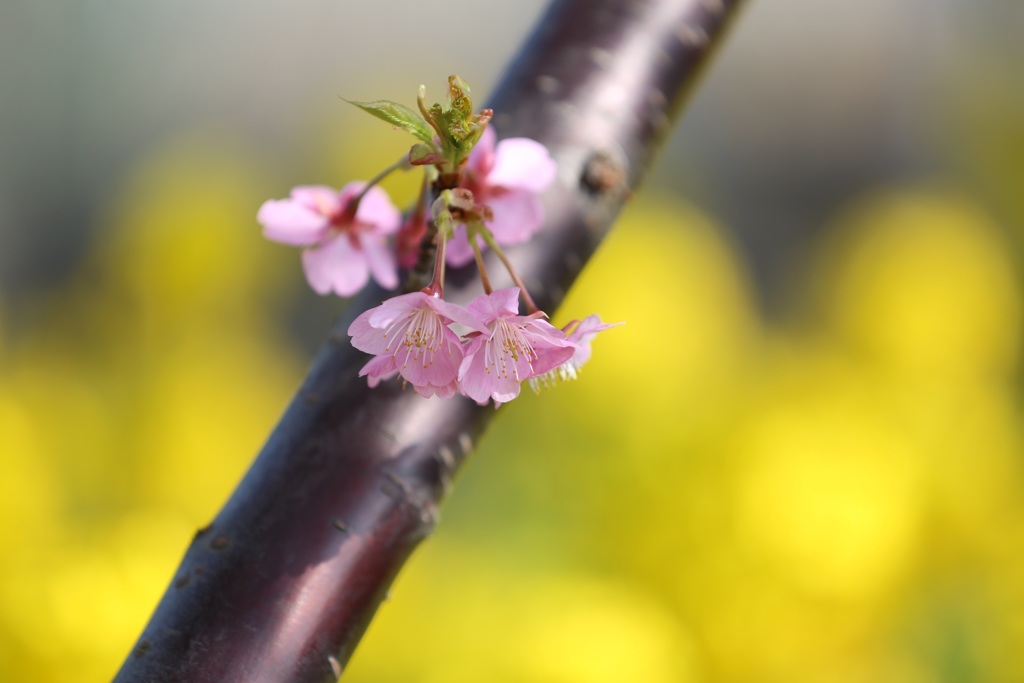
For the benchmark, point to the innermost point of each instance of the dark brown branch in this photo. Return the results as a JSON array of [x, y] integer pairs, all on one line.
[[281, 586]]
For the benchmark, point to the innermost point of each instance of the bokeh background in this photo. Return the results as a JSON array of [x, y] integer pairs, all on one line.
[[800, 460]]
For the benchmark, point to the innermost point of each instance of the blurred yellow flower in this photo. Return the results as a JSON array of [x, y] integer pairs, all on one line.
[[923, 282]]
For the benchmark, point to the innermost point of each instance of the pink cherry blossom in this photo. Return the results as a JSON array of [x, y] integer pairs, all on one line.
[[342, 249], [581, 333], [508, 177], [508, 349], [409, 335]]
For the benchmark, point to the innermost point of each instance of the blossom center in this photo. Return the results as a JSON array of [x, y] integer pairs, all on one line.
[[415, 338], [341, 224], [506, 350]]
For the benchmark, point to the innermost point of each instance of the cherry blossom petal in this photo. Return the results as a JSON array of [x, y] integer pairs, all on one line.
[[379, 369], [517, 216], [335, 266], [365, 335], [395, 308], [324, 200], [478, 382], [447, 391], [457, 314], [499, 303], [376, 210], [401, 306], [583, 335], [522, 164], [550, 346], [380, 260], [481, 158], [291, 222]]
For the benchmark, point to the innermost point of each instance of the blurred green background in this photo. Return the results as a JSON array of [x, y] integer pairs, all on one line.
[[800, 460]]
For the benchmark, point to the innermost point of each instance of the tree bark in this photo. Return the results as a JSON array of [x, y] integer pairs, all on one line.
[[283, 583]]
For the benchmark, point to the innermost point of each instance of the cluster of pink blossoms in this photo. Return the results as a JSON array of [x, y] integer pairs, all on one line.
[[345, 246], [412, 336], [486, 194]]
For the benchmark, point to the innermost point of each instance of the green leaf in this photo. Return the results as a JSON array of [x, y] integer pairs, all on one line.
[[400, 116]]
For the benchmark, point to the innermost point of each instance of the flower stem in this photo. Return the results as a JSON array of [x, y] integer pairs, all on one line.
[[471, 234], [531, 307], [402, 164], [436, 286]]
